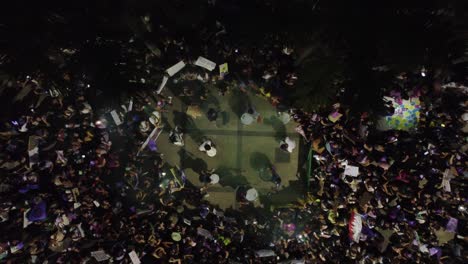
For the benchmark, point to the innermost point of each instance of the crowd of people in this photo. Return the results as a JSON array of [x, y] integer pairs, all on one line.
[[409, 189], [78, 188]]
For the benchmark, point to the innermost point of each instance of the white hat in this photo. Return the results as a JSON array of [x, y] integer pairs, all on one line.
[[214, 178], [251, 195]]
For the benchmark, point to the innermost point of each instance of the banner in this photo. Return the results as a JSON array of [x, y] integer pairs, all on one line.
[[176, 68], [163, 83], [355, 227], [153, 136], [205, 63]]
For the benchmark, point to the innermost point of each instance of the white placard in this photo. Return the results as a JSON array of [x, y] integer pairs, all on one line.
[[351, 170], [176, 68], [100, 255], [116, 117], [130, 105], [26, 222], [205, 63], [134, 257]]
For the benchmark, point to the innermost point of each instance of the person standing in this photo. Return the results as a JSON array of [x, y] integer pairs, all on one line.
[[287, 145], [208, 147], [176, 137]]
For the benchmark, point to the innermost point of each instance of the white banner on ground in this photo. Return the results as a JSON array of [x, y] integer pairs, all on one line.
[[176, 68], [205, 63], [116, 117], [163, 83]]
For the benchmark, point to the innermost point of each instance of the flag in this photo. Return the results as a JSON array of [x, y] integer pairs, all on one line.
[[355, 226]]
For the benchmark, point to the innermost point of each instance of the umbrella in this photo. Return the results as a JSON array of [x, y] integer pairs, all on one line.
[[205, 233], [176, 236], [214, 178], [251, 195]]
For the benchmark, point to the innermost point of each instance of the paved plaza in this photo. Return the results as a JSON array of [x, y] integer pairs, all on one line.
[[244, 152]]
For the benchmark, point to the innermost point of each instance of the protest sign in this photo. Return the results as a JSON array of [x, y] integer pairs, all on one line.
[[176, 68], [116, 118], [223, 69], [351, 170], [163, 83], [205, 63], [134, 257]]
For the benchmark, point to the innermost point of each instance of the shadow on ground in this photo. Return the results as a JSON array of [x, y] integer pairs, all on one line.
[[261, 163], [230, 177], [278, 127], [284, 197], [189, 161], [239, 101], [187, 124]]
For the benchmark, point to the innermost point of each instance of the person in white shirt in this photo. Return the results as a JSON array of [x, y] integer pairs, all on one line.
[[288, 145], [208, 147]]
